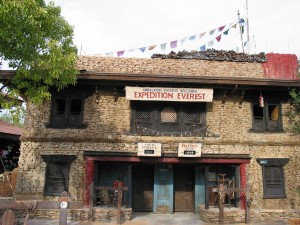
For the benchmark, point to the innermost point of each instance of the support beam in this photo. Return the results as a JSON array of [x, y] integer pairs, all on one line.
[[206, 188]]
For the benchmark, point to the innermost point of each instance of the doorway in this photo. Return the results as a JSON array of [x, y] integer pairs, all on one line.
[[142, 187], [184, 183]]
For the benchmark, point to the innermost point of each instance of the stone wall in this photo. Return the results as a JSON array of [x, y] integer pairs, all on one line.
[[233, 215], [104, 215], [108, 129], [229, 130], [171, 66]]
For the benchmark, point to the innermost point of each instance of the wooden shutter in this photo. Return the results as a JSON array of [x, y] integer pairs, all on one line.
[[273, 182]]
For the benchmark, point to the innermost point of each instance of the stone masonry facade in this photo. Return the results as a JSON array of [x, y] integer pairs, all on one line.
[[108, 129]]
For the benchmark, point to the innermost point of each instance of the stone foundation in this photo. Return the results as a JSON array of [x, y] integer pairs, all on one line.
[[102, 214], [237, 215], [231, 215]]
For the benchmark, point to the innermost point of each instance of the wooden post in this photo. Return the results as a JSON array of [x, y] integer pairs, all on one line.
[[90, 214], [221, 206], [63, 212], [120, 194], [248, 203], [206, 188]]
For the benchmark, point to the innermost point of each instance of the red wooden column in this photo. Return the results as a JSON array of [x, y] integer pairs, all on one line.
[[243, 173], [89, 179]]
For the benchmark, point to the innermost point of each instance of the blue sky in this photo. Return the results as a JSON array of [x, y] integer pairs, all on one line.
[[103, 26]]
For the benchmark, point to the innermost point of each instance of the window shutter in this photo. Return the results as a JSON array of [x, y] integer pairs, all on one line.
[[273, 181]]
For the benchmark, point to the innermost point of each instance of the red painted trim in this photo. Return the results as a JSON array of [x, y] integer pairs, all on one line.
[[281, 66], [89, 180], [243, 174], [165, 160]]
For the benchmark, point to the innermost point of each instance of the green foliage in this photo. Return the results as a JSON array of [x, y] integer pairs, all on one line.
[[15, 115], [294, 113], [38, 43]]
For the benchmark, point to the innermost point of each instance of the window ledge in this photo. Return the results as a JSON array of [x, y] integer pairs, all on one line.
[[266, 131], [82, 126]]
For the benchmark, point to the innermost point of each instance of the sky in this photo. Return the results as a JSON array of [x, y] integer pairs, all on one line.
[[106, 27]]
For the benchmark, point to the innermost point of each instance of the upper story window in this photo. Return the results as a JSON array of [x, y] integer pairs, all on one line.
[[67, 111], [268, 117], [168, 118]]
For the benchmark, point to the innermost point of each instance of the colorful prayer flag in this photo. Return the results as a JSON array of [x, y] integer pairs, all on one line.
[[226, 32], [191, 38], [163, 46], [120, 53], [211, 32], [218, 38], [211, 43], [109, 54], [151, 47], [182, 41], [142, 49], [221, 28], [173, 44], [202, 34], [202, 48]]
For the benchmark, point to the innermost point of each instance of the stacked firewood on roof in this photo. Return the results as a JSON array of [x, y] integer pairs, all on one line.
[[215, 55]]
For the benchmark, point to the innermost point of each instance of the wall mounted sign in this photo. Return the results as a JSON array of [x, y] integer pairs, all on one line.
[[149, 149], [169, 94], [189, 149]]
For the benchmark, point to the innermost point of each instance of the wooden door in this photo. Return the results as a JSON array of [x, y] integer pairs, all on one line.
[[163, 189], [184, 183], [142, 188]]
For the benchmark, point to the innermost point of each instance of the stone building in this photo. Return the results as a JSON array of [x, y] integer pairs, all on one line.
[[172, 128]]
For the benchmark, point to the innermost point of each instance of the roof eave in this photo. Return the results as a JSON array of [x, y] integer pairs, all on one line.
[[168, 78]]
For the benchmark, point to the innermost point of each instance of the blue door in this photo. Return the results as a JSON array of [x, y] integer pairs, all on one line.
[[163, 188]]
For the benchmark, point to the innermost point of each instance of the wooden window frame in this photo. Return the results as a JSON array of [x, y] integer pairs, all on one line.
[[266, 122], [273, 188], [57, 160], [67, 119], [152, 125]]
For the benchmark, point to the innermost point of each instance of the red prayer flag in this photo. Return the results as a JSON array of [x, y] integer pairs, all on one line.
[[221, 28], [219, 38]]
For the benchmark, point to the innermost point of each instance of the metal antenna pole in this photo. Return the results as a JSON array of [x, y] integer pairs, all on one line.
[[241, 30], [248, 33]]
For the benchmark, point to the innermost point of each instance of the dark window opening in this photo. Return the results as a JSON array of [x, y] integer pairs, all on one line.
[[273, 176], [76, 106], [57, 173], [168, 118], [273, 182], [57, 179], [60, 106], [67, 112], [267, 118]]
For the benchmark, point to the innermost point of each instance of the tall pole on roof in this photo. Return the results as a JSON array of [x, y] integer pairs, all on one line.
[[241, 26], [247, 24]]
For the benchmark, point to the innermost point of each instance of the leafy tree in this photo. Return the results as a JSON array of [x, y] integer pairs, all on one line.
[[14, 115], [37, 42], [294, 113]]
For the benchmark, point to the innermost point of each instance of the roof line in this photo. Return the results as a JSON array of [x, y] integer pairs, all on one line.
[[92, 75]]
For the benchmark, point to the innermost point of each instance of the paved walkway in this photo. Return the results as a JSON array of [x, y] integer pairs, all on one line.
[[146, 219]]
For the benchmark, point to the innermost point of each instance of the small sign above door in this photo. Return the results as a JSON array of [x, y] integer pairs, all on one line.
[[189, 149], [149, 149]]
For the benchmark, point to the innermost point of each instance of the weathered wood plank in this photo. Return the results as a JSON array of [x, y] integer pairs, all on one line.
[[11, 204], [8, 218]]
